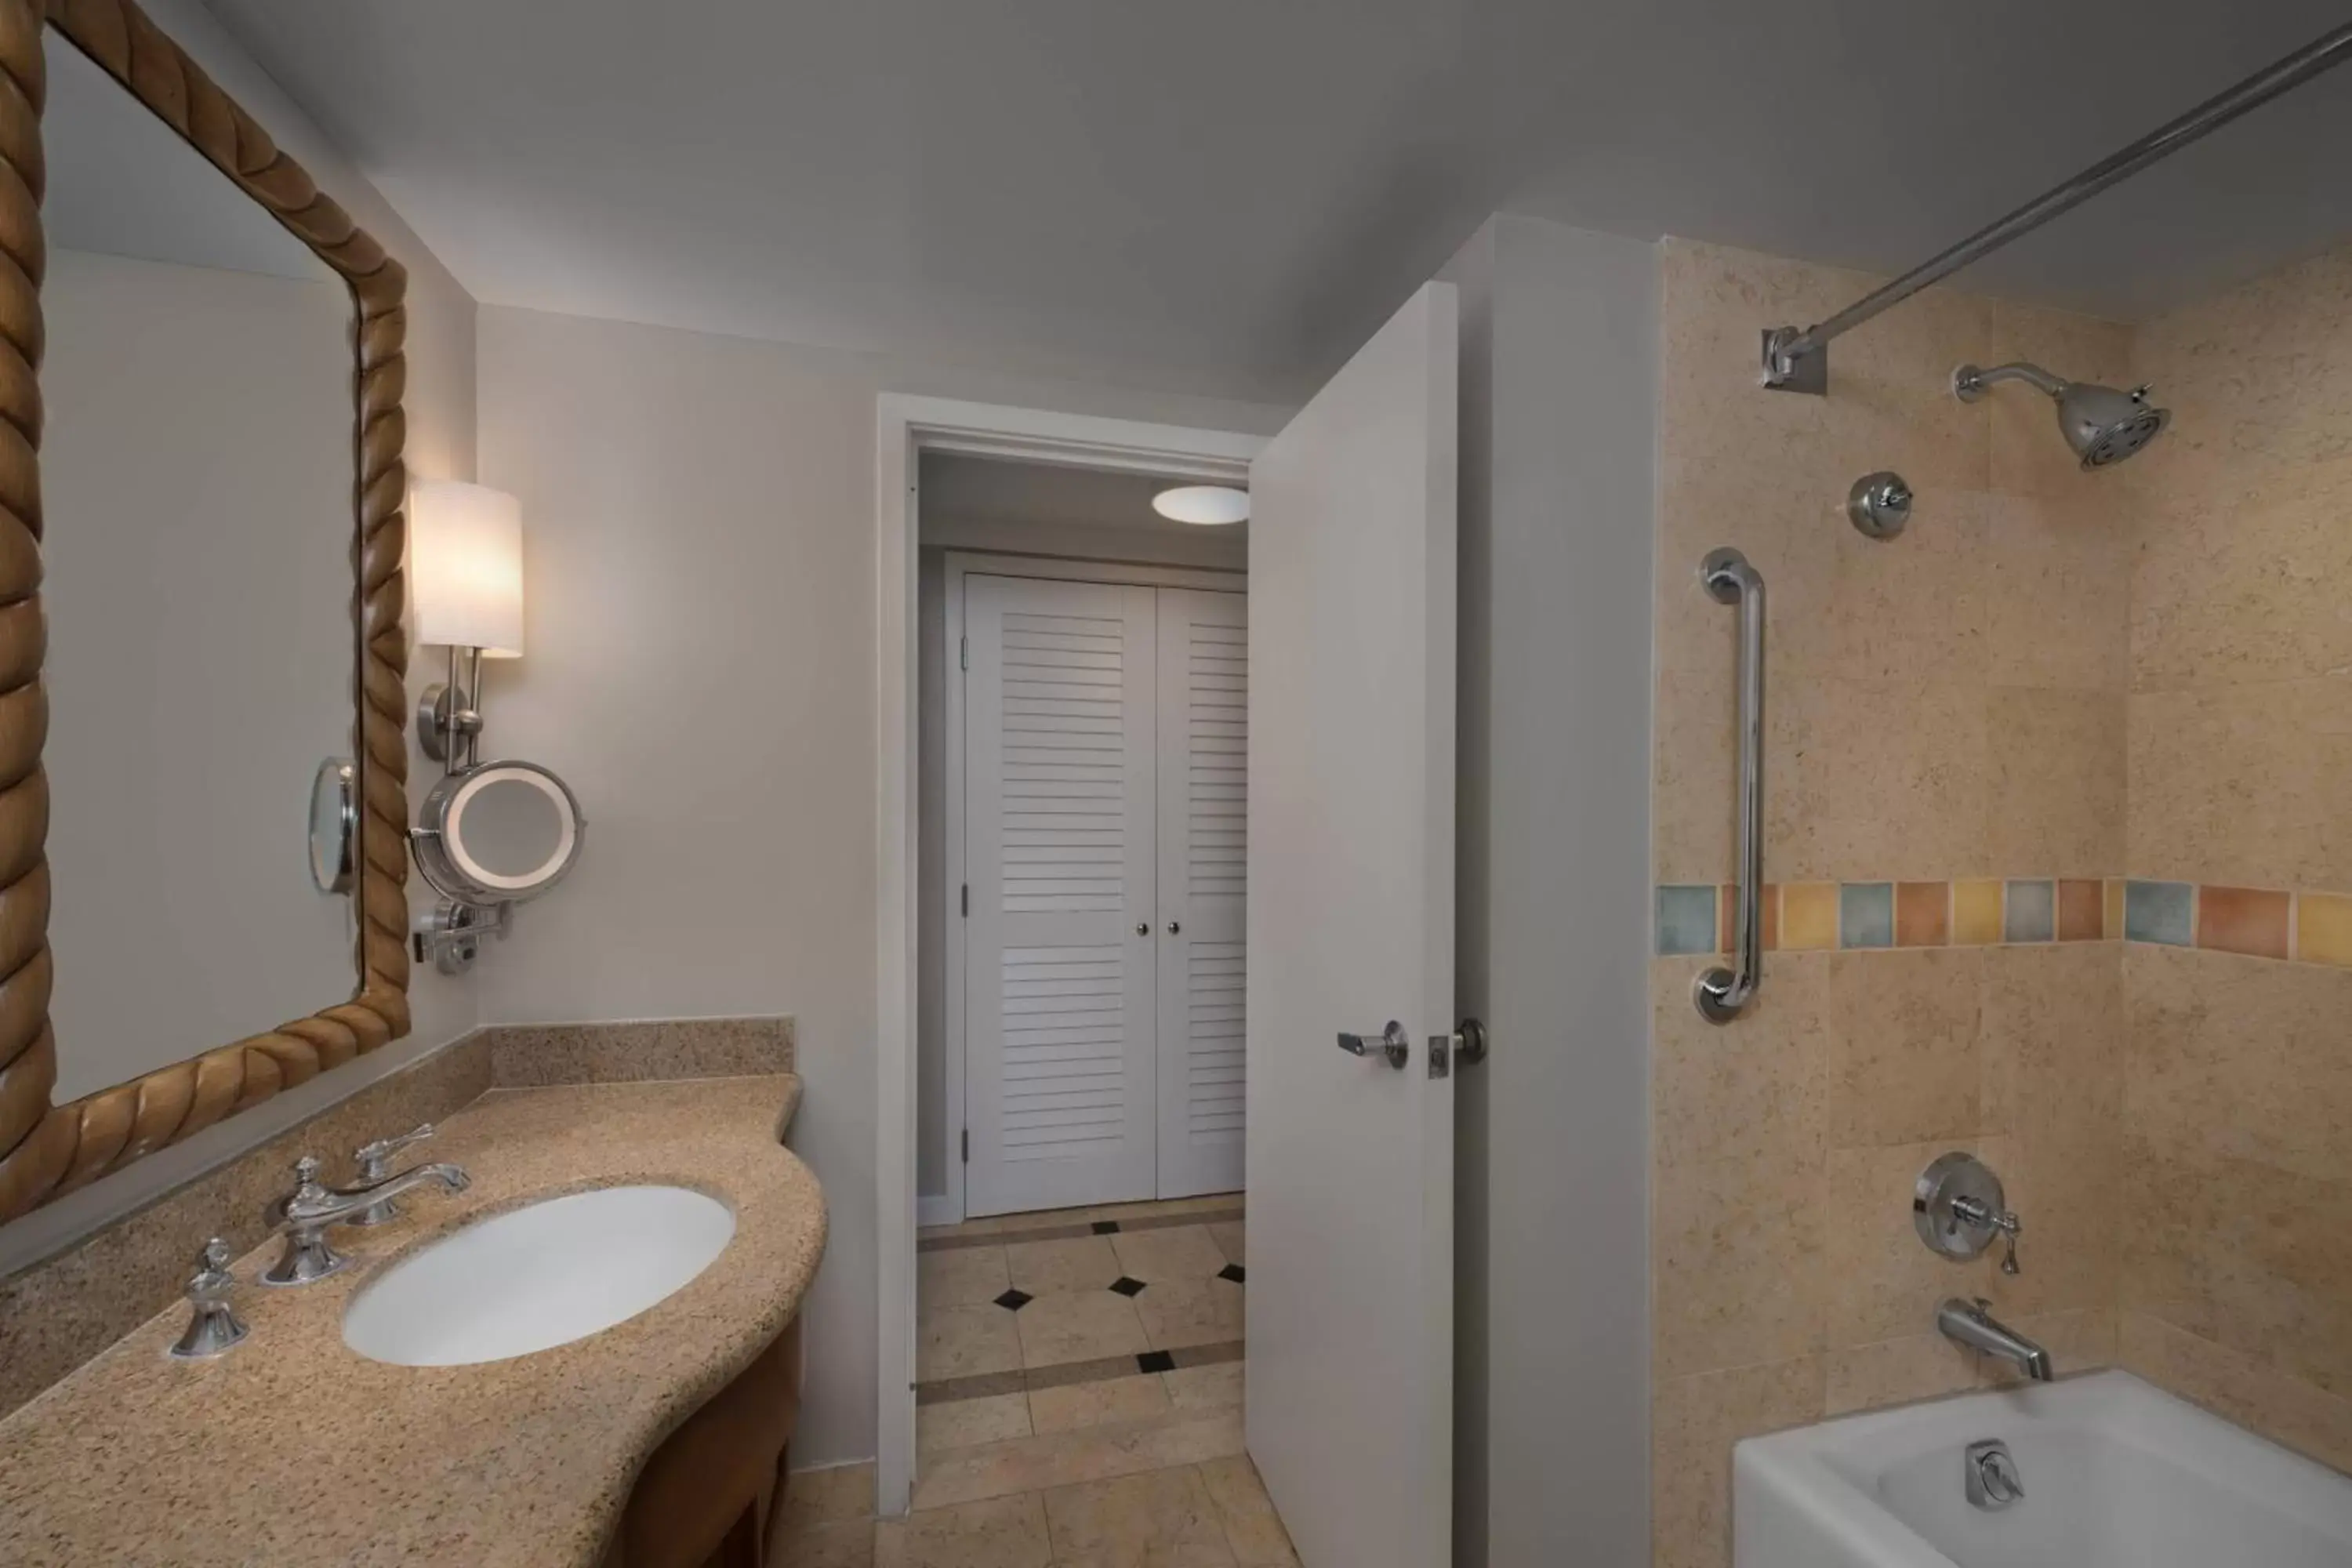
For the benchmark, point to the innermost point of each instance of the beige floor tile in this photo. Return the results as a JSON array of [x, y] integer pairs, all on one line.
[[1252, 1527], [959, 1342], [1075, 1263], [1001, 1532], [1075, 1404], [960, 1423], [1065, 1459], [960, 1277], [1178, 1312], [1228, 1234], [1217, 1386], [846, 1543], [1171, 1252], [829, 1496], [1078, 1325], [1163, 1518]]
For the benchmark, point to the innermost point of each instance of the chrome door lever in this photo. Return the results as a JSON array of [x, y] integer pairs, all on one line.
[[1392, 1043]]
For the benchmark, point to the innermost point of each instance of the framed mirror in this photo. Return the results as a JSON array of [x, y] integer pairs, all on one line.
[[195, 912]]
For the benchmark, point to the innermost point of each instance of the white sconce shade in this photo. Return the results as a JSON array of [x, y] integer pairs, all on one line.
[[464, 567]]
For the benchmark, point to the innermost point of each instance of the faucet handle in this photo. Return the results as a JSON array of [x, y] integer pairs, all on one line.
[[371, 1158], [212, 1282], [213, 1327]]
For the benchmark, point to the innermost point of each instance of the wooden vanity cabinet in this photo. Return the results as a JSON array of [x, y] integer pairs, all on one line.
[[704, 1499]]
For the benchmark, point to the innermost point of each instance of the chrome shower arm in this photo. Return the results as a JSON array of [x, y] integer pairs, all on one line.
[[1968, 382]]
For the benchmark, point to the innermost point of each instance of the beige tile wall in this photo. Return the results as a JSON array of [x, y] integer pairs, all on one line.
[[2238, 1087], [1950, 705]]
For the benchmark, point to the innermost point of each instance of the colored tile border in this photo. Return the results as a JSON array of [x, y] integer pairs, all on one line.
[[2305, 926]]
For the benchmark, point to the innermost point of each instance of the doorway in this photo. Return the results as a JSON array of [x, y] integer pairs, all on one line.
[[1079, 1291], [932, 449]]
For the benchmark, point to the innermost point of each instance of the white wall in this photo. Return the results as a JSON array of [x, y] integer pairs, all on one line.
[[700, 568], [1558, 392], [196, 467]]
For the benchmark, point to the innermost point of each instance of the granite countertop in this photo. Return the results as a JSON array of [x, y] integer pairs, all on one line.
[[295, 1449]]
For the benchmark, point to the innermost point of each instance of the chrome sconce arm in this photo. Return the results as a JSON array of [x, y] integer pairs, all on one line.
[[1720, 994], [448, 722]]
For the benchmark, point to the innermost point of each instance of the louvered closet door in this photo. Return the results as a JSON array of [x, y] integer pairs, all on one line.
[[1060, 856], [1204, 829]]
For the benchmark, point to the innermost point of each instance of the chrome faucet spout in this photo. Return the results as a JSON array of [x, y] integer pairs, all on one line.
[[1971, 1323], [334, 1206], [306, 1215]]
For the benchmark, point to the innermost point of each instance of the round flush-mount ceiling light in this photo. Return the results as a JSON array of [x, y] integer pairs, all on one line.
[[1206, 504]]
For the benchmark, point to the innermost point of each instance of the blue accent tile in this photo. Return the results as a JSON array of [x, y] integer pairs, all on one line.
[[2031, 913], [1867, 914], [1686, 919], [2160, 911]]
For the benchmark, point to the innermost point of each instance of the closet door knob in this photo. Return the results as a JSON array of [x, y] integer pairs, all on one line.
[[1143, 928], [1175, 926]]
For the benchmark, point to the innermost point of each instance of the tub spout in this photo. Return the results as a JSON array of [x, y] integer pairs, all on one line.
[[1971, 1323]]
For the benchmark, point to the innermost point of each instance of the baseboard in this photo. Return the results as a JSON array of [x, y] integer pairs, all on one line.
[[938, 1209]]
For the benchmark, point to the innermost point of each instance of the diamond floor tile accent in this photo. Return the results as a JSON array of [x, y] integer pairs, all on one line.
[[1232, 1271], [1127, 1287], [1155, 1361], [1014, 1301], [1105, 1227]]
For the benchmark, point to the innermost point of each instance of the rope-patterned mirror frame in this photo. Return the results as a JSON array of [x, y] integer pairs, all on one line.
[[46, 1151]]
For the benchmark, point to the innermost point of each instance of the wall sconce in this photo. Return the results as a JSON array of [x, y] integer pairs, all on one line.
[[464, 582]]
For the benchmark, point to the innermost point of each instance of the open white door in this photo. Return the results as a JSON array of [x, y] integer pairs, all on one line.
[[1350, 924]]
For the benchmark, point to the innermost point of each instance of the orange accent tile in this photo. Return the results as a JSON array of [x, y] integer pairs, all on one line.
[[2323, 928], [1976, 913], [2111, 925], [2081, 911], [2243, 920], [1922, 914], [1808, 915], [1727, 904]]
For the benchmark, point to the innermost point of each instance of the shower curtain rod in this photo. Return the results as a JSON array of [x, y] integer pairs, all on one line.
[[1799, 361]]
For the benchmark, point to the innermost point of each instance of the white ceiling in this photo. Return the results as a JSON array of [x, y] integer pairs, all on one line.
[[1226, 195]]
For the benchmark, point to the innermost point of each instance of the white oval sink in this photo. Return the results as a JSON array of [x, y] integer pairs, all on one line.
[[539, 1276]]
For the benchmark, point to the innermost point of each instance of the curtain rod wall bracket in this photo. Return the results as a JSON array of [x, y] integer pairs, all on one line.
[[1788, 370]]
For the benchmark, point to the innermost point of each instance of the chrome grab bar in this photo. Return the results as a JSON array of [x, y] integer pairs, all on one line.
[[1722, 995]]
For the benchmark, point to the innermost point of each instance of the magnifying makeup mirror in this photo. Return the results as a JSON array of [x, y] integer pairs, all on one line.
[[492, 835]]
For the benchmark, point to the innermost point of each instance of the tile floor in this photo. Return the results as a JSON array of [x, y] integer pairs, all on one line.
[[1077, 1402]]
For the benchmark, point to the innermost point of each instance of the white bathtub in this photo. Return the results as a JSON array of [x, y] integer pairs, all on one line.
[[2116, 1475]]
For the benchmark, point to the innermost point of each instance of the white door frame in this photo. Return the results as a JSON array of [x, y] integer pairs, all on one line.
[[905, 426], [956, 566]]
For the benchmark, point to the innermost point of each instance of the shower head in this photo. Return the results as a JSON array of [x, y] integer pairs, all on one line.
[[2102, 425]]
